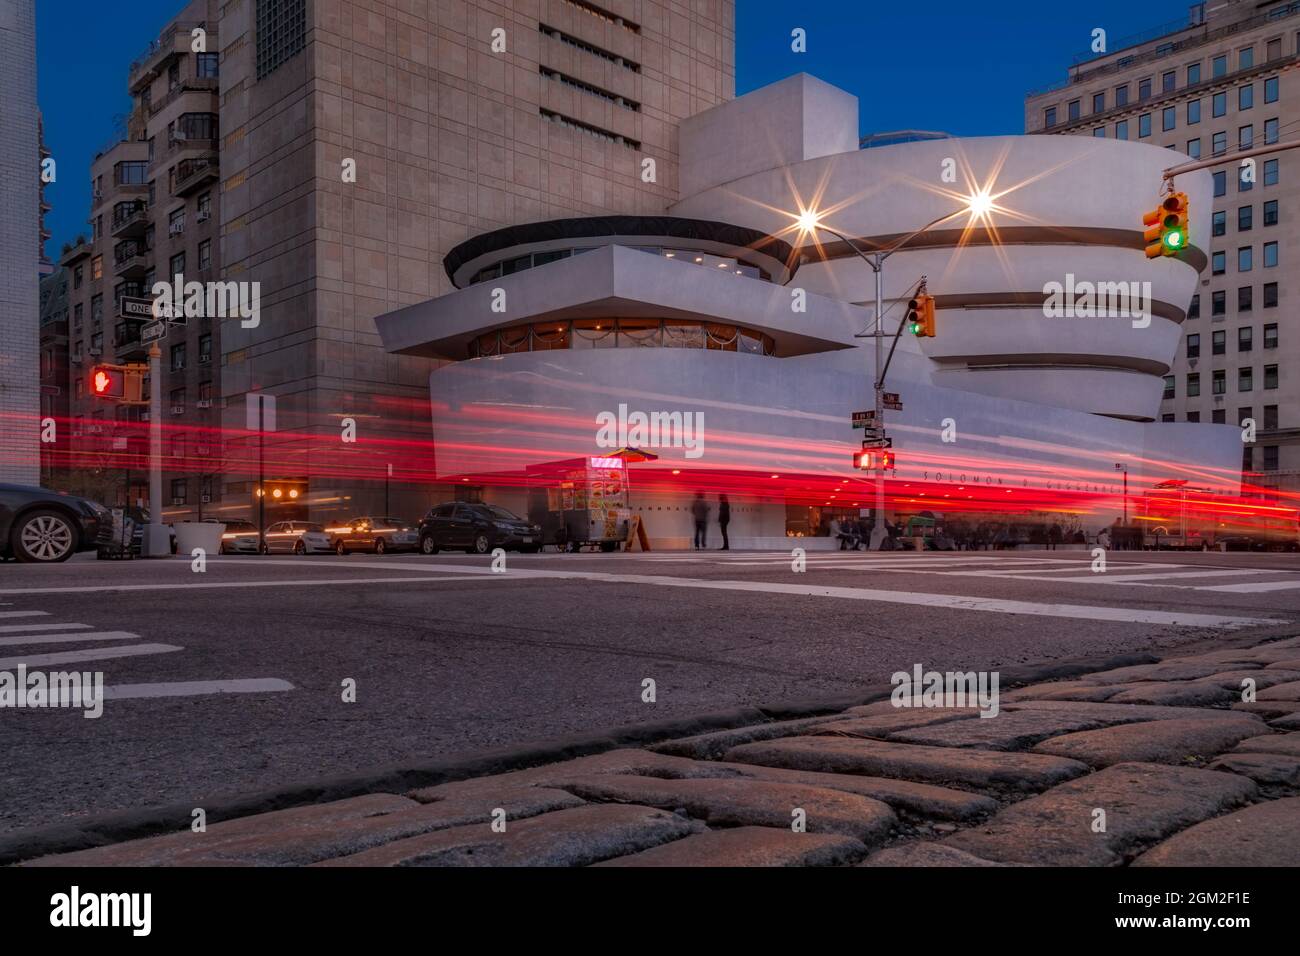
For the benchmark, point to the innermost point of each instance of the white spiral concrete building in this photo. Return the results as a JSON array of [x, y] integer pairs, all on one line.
[[724, 310]]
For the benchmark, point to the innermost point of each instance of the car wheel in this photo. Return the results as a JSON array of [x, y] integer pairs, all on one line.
[[263, 548], [340, 550], [482, 544], [44, 536], [380, 547], [427, 545], [299, 548]]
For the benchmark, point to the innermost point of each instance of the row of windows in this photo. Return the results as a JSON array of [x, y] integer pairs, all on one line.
[[621, 333], [697, 257], [1219, 340], [1218, 141], [1169, 81], [1245, 259], [589, 89], [1245, 300], [594, 131], [1220, 416], [589, 48], [1245, 218], [1219, 382]]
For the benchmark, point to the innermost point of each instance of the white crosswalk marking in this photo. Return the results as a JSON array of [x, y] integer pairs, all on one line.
[[23, 639], [90, 654], [8, 614], [29, 628]]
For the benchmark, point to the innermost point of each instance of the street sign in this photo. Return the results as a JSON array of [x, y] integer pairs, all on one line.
[[892, 401], [864, 419], [878, 443], [153, 331], [131, 307]]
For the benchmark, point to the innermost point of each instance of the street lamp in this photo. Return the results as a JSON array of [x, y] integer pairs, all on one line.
[[978, 205]]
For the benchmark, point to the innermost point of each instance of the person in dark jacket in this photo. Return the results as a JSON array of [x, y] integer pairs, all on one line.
[[724, 519], [700, 512]]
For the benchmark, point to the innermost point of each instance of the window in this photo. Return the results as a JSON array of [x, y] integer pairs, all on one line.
[[205, 254], [1144, 89], [1169, 81], [1218, 302], [176, 220], [1219, 223], [1168, 417], [1169, 387], [1099, 132], [1246, 58], [1270, 377], [282, 33], [1270, 90], [1270, 172], [1270, 416], [1193, 74], [178, 356], [1193, 384], [76, 277], [1245, 338], [1167, 119], [130, 173], [1270, 255], [205, 389], [1218, 382], [1273, 49], [1270, 131], [1121, 129], [1218, 416], [1245, 137], [1220, 183], [1193, 112], [1194, 310], [97, 268], [177, 264], [97, 309], [1270, 213], [1245, 218], [1270, 295], [204, 204], [205, 349], [77, 312], [1245, 379], [1072, 110], [178, 446], [1270, 335], [1245, 258], [1194, 148], [1194, 345], [1219, 144], [1144, 125], [1270, 457], [177, 398], [1218, 263], [1218, 342], [1098, 102], [1245, 298], [178, 491], [1219, 66], [1246, 96], [1121, 95], [1244, 413], [206, 66], [1219, 104]]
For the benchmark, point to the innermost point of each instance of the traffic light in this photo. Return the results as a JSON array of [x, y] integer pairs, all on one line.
[[1166, 227], [869, 459], [920, 316], [887, 459], [286, 492], [107, 381]]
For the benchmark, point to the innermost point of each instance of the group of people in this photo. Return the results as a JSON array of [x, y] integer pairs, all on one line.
[[853, 533], [700, 510]]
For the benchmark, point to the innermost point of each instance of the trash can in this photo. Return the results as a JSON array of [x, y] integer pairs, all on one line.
[[198, 534]]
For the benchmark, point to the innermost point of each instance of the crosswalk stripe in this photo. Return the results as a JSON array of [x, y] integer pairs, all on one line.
[[196, 688], [7, 614], [1107, 578], [25, 628], [19, 640], [1253, 588], [90, 654]]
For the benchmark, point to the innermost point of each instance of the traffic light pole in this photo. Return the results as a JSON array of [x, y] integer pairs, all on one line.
[[157, 540]]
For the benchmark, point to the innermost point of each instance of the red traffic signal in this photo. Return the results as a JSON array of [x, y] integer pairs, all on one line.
[[107, 382], [869, 459]]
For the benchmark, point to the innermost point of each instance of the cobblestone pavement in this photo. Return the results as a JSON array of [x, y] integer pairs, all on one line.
[[1160, 764]]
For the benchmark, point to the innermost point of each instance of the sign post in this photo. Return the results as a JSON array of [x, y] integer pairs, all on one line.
[[157, 540], [259, 414]]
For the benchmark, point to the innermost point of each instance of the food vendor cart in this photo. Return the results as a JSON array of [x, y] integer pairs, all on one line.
[[582, 501]]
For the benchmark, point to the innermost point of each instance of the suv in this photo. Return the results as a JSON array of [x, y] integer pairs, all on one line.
[[476, 528]]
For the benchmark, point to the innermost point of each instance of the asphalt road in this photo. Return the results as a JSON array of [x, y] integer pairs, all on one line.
[[450, 658]]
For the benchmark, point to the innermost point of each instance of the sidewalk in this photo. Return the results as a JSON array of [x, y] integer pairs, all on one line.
[[1158, 764]]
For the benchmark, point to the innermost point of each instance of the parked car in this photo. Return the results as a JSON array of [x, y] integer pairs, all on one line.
[[377, 534], [297, 537], [240, 537], [40, 525], [476, 528]]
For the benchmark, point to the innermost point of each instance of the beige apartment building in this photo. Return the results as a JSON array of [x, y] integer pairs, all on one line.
[[1223, 81], [153, 215]]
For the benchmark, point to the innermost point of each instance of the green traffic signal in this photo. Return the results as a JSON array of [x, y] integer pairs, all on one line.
[[1174, 239]]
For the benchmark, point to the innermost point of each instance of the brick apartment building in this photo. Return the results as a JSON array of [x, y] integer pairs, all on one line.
[[1225, 80]]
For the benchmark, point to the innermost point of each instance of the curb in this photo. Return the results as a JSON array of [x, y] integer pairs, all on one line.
[[136, 824]]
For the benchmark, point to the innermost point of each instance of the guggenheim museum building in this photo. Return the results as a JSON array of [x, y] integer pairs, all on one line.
[[723, 347]]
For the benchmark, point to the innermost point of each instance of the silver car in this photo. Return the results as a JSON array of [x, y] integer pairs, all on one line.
[[297, 537]]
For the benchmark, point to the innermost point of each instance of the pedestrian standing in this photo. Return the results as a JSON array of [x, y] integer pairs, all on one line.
[[724, 519], [700, 512]]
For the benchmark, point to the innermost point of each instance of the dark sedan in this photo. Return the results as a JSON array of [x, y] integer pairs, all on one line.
[[476, 528], [40, 525]]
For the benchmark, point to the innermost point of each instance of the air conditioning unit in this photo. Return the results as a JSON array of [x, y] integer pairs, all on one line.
[[178, 409], [97, 194], [94, 351], [94, 429], [204, 216], [206, 499], [203, 403], [205, 359], [178, 501], [176, 228], [144, 414], [202, 451], [1191, 363]]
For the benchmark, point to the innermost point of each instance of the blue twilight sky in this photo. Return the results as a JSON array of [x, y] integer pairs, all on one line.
[[949, 65]]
